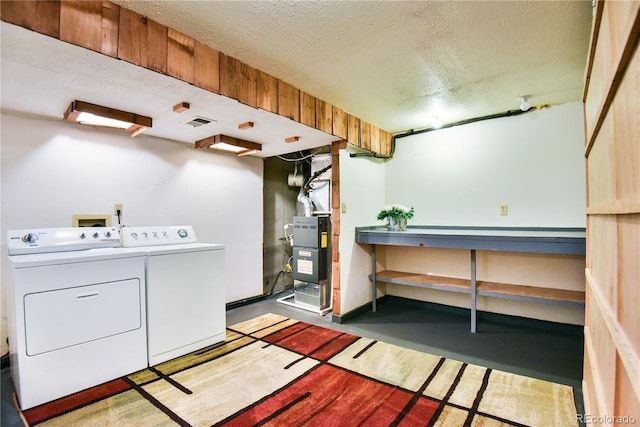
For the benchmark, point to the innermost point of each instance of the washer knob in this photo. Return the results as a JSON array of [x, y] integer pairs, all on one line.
[[30, 238], [134, 235], [144, 234], [83, 236], [107, 234], [96, 235], [182, 233]]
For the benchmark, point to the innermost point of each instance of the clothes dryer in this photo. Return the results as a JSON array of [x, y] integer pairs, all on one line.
[[76, 311]]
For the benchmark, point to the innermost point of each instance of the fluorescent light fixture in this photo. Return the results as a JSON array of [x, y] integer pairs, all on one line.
[[228, 147], [92, 119], [229, 143], [96, 115]]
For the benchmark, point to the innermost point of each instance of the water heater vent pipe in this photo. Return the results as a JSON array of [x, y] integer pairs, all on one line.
[[306, 203]]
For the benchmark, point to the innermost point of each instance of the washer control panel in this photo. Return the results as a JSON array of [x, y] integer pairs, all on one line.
[[157, 236], [44, 240]]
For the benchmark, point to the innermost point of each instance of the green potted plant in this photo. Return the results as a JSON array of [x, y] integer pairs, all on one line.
[[396, 216]]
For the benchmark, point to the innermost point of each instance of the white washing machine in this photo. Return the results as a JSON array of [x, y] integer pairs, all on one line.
[[76, 311], [185, 289]]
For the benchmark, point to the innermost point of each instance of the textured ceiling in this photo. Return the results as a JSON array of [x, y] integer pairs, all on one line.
[[396, 64]]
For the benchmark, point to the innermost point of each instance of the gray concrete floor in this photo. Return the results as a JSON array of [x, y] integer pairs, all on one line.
[[536, 349]]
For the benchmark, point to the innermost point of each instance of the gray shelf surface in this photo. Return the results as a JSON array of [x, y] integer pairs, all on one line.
[[557, 240]]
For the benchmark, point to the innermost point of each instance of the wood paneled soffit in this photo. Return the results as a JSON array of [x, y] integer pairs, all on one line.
[[40, 16], [142, 42], [91, 24], [109, 29]]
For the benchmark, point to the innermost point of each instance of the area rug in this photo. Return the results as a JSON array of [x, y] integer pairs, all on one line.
[[277, 371]]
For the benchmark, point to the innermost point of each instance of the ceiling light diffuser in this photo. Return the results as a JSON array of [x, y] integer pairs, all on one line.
[[229, 143], [96, 115]]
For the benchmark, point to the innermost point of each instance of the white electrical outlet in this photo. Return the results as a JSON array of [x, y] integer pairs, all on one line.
[[504, 209], [344, 207]]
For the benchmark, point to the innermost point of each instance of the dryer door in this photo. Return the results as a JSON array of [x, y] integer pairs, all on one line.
[[66, 317]]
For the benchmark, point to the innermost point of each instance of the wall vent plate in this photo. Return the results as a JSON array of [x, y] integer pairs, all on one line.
[[199, 121]]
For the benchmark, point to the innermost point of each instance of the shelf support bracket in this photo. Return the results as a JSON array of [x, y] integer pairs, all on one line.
[[473, 291], [373, 278]]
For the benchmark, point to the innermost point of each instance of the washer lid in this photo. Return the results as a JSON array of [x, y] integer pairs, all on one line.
[[177, 249]]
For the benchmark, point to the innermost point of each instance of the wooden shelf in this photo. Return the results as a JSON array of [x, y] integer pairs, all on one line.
[[424, 281], [489, 289], [531, 293], [562, 241]]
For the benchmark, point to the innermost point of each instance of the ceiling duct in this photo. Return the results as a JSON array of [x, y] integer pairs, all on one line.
[[199, 121]]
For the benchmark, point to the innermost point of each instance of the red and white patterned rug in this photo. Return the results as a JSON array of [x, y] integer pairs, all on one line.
[[277, 371]]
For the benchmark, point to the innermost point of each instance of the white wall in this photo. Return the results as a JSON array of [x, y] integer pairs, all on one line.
[[534, 163], [51, 170], [362, 181]]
